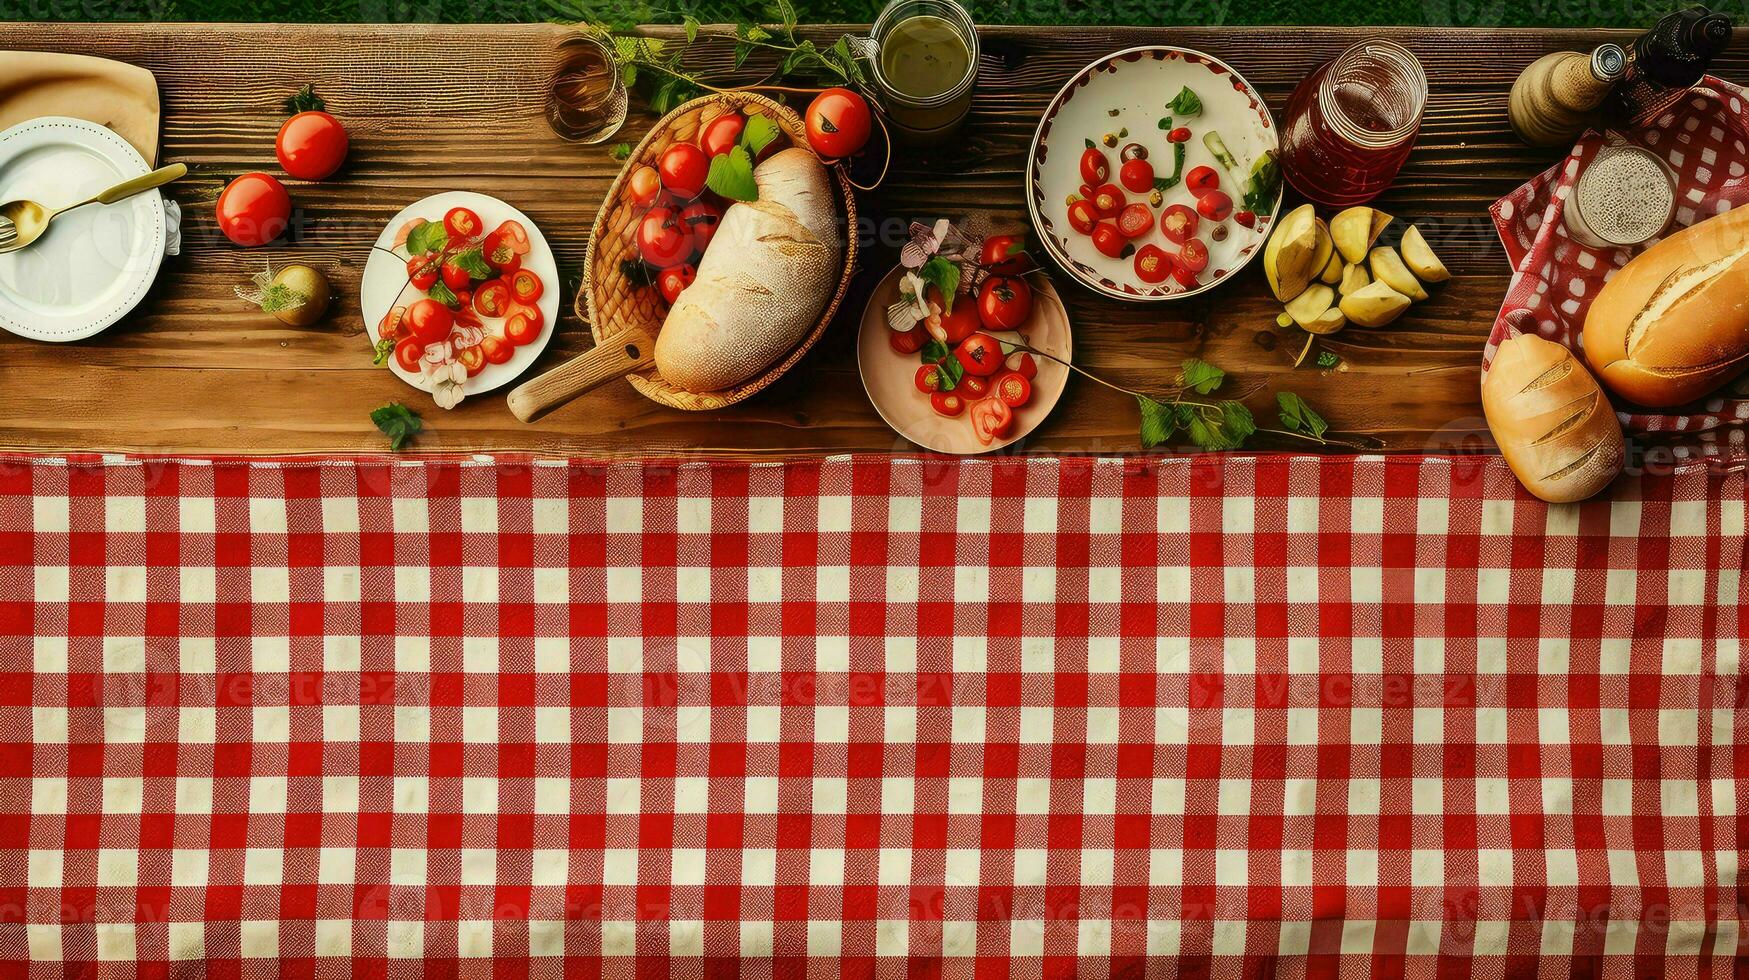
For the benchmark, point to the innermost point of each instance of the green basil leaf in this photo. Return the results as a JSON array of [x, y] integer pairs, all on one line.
[[427, 238], [1200, 376], [1187, 103], [759, 132], [731, 175], [1157, 422], [441, 292], [473, 262], [398, 422], [943, 275], [1297, 416]]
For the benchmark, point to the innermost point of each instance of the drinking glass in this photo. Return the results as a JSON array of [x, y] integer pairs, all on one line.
[[587, 102], [1350, 125]]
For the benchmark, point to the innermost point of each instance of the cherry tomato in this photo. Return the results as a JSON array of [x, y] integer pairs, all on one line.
[[1108, 200], [407, 354], [956, 326], [456, 277], [1005, 254], [1153, 264], [311, 145], [701, 218], [1186, 277], [461, 223], [662, 240], [838, 123], [1021, 363], [1088, 190], [928, 379], [644, 186], [1110, 241], [1083, 217], [473, 359], [1201, 180], [1137, 176], [1005, 302], [390, 327], [498, 253], [980, 354], [496, 349], [422, 271], [1215, 205], [1135, 220], [1179, 135], [684, 168], [908, 341], [516, 236], [720, 135], [1178, 223], [674, 280], [525, 285], [1247, 219], [1194, 255], [429, 321], [254, 209], [1013, 389], [992, 419], [1094, 167], [947, 404], [520, 329], [973, 387], [492, 299]]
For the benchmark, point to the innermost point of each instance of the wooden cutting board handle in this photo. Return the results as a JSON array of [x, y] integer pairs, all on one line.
[[629, 351]]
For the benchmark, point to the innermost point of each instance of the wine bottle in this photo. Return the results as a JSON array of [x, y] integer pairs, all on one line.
[[1665, 62]]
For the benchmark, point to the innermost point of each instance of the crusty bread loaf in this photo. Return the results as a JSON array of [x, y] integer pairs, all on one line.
[[1673, 324], [770, 270], [1553, 423]]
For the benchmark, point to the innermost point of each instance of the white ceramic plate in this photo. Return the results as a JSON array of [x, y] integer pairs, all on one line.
[[1138, 84], [889, 376], [385, 274], [92, 265]]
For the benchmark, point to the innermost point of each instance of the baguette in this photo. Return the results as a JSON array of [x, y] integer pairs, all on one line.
[[771, 269], [1673, 324], [1553, 423]]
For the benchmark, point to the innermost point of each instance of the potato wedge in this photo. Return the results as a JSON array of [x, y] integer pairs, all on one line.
[[1420, 258], [1388, 268], [1374, 305], [1327, 322], [1354, 278], [1354, 231], [1288, 258], [1311, 304], [1326, 248], [1332, 273]]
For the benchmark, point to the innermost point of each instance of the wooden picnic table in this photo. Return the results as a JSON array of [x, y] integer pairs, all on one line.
[[433, 108]]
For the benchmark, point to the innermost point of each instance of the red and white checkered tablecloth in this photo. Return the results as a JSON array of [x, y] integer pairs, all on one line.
[[1216, 717]]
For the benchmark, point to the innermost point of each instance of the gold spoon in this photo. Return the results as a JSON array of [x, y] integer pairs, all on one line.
[[23, 222]]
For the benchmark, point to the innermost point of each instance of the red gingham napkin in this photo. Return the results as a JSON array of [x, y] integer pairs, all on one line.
[[1223, 717], [1555, 278]]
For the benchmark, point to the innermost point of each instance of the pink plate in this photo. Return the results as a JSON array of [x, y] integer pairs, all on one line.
[[889, 376]]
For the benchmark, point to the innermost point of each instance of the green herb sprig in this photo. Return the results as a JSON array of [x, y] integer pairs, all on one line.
[[398, 422]]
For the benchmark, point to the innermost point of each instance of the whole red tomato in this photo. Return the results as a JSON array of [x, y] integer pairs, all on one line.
[[662, 239], [1005, 254], [1004, 302], [497, 349], [957, 325], [720, 135], [254, 210], [407, 354], [838, 123], [311, 145], [644, 185], [429, 321], [980, 354], [701, 219], [672, 281], [684, 168]]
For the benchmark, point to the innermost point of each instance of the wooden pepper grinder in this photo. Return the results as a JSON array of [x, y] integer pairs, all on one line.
[[1555, 99]]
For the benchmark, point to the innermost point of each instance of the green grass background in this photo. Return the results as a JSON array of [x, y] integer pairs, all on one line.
[[1464, 13]]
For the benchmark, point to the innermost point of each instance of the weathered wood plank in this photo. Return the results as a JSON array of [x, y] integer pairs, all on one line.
[[194, 371]]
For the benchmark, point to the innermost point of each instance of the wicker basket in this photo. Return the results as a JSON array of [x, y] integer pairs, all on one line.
[[624, 317]]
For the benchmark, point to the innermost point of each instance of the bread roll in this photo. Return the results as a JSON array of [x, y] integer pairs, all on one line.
[[1674, 323], [1553, 423], [770, 270]]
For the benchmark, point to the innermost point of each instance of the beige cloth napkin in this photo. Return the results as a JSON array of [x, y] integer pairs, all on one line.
[[120, 96]]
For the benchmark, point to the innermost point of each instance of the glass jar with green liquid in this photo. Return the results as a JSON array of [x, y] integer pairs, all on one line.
[[923, 57]]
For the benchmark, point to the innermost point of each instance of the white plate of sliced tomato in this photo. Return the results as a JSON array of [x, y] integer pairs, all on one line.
[[458, 266]]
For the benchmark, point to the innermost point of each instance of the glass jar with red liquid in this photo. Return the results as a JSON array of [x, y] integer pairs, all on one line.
[[1350, 125]]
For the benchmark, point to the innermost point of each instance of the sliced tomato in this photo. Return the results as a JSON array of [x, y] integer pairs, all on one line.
[[461, 223], [528, 310], [1021, 363], [973, 387], [928, 379], [496, 349], [389, 328], [473, 359], [908, 341], [499, 254], [1178, 223], [1013, 388], [1135, 221], [525, 285], [492, 299], [991, 419], [948, 404], [407, 354], [520, 330], [422, 271], [515, 236]]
